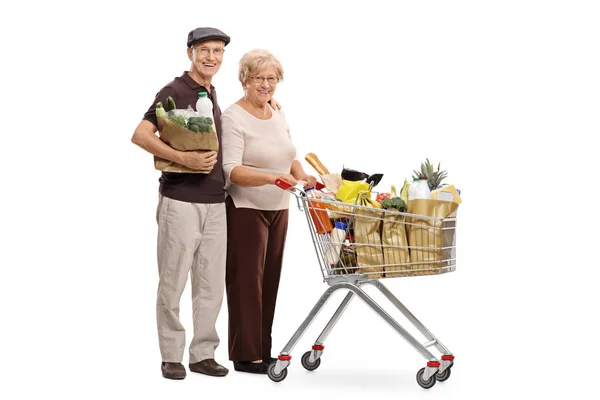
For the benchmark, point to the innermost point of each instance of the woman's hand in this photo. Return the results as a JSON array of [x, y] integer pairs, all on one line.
[[309, 179], [288, 178]]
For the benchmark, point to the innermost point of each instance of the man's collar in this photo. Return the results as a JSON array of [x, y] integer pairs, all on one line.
[[192, 83]]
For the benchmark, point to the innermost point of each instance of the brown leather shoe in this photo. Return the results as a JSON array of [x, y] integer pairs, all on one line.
[[209, 367], [172, 370]]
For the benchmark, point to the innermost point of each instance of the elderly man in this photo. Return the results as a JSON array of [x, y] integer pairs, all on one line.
[[192, 229]]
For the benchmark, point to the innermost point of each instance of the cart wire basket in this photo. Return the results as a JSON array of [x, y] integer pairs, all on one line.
[[358, 246]]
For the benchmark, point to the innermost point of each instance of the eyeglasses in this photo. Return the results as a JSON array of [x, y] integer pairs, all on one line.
[[205, 51], [260, 79]]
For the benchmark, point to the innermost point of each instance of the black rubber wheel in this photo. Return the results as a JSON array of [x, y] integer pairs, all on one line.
[[273, 376], [443, 376], [425, 384], [307, 364]]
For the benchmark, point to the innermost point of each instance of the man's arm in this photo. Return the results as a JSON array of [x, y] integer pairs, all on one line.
[[145, 137]]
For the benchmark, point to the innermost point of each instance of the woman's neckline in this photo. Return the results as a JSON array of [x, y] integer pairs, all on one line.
[[254, 116]]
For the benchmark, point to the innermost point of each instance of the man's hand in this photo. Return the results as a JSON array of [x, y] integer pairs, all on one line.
[[199, 160], [274, 104]]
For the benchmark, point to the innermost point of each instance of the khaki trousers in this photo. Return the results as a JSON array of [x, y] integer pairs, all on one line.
[[192, 238]]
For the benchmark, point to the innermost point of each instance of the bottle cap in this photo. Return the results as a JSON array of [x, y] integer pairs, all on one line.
[[202, 94], [340, 225], [415, 179]]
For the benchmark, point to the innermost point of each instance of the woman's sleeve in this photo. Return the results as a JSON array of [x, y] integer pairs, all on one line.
[[232, 142]]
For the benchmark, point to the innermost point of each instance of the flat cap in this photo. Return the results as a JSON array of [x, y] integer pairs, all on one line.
[[203, 34]]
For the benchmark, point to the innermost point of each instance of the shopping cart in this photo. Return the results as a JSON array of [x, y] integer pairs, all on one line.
[[374, 244]]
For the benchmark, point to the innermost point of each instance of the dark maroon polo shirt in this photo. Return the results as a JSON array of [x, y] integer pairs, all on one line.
[[192, 188]]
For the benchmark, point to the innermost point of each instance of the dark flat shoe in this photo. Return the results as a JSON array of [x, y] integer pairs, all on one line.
[[209, 367], [250, 367], [171, 370], [269, 360]]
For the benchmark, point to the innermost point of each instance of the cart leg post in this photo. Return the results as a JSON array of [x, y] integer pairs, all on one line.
[[391, 321], [433, 341], [308, 320], [334, 319], [317, 348]]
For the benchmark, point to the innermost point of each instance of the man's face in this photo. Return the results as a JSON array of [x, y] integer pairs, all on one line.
[[206, 57]]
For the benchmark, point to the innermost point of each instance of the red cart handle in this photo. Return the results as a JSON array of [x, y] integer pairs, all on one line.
[[285, 185]]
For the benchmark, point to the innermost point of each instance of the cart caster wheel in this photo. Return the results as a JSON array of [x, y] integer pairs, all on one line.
[[274, 377], [307, 364], [425, 384], [443, 376]]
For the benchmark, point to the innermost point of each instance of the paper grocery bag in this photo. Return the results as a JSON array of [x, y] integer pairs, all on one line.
[[395, 245], [426, 237], [369, 255], [183, 139]]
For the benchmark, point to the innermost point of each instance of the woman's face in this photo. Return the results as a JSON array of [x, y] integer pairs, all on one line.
[[261, 84]]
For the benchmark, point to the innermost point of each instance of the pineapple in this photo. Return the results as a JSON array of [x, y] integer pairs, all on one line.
[[434, 178]]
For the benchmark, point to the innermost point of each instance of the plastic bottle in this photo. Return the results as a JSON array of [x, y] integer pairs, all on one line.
[[204, 107], [412, 189], [422, 189], [338, 235], [318, 213]]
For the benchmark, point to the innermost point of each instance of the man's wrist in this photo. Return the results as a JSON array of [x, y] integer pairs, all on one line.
[[178, 157]]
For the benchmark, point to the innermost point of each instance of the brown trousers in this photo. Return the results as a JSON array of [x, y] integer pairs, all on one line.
[[255, 244]]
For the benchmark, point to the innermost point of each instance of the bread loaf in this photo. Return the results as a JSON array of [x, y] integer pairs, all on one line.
[[314, 161]]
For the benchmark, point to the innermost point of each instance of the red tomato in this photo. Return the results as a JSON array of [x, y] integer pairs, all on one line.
[[382, 196]]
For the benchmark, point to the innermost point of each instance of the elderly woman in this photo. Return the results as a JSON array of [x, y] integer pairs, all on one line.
[[257, 150]]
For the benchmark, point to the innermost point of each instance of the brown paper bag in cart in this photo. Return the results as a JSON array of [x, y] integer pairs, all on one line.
[[395, 245], [183, 139], [369, 255], [429, 234]]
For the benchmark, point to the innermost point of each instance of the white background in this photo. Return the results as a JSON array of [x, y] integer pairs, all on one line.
[[505, 94]]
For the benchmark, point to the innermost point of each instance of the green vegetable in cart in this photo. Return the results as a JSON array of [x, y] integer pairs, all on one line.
[[395, 202], [404, 191]]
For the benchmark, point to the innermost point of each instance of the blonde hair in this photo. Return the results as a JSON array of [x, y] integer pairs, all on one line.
[[256, 59]]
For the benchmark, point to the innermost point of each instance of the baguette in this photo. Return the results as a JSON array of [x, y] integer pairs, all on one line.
[[314, 161]]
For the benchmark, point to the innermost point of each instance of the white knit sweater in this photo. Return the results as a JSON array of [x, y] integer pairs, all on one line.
[[260, 145]]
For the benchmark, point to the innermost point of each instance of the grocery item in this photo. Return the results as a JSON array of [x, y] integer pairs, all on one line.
[[338, 236], [434, 178], [349, 190], [314, 161], [419, 189], [170, 104], [318, 214], [395, 203], [204, 106], [446, 193]]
